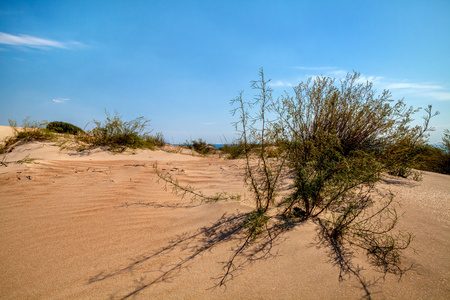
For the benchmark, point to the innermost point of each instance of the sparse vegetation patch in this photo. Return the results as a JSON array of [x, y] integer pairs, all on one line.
[[114, 134], [30, 131]]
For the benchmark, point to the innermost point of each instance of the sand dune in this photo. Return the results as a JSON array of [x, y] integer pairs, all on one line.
[[101, 225], [6, 131]]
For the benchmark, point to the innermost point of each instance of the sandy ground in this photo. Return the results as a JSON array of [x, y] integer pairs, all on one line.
[[99, 225], [6, 131]]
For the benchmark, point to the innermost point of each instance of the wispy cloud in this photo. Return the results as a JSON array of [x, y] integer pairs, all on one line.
[[35, 42], [441, 96], [280, 83], [413, 86], [376, 80], [425, 90], [432, 91], [314, 68], [60, 100]]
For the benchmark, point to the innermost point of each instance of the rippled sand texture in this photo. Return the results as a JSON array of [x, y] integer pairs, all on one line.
[[101, 225]]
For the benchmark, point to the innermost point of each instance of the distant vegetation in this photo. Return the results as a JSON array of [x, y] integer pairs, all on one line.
[[63, 127], [200, 146], [117, 135], [234, 150], [30, 131], [114, 134], [434, 158]]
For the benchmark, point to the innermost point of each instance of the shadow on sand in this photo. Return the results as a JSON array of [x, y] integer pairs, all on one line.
[[245, 248], [187, 247]]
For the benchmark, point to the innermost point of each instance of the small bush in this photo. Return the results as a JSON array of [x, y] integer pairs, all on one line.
[[234, 150], [200, 146], [157, 140], [433, 159], [63, 127], [237, 150]]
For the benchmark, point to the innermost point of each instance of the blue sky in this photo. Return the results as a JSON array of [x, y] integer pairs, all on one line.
[[179, 63]]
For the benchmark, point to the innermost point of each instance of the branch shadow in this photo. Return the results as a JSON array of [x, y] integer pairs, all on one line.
[[157, 205], [341, 256], [189, 246], [245, 249], [398, 181]]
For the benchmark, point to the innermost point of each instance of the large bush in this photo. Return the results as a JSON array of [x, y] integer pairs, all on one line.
[[341, 135], [334, 139]]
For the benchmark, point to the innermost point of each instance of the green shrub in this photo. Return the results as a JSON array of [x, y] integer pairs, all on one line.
[[117, 135], [334, 139], [234, 150], [445, 146], [237, 149], [157, 140], [200, 146], [63, 127], [432, 158]]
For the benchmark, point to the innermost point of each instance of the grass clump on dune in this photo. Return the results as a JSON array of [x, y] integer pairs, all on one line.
[[114, 134], [117, 135], [30, 131]]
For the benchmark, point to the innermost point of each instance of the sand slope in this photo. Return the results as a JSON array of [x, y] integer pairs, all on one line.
[[97, 226]]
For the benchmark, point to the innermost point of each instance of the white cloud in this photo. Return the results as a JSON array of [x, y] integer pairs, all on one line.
[[280, 83], [61, 100], [374, 79], [414, 86], [441, 96], [338, 74], [314, 68], [424, 90], [35, 42]]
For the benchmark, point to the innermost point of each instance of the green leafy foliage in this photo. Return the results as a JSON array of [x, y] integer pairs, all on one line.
[[446, 141], [237, 149], [255, 223], [233, 151], [200, 146], [333, 139], [63, 127], [157, 140], [432, 158]]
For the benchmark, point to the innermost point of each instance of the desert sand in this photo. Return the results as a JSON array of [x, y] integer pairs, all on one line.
[[97, 225]]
